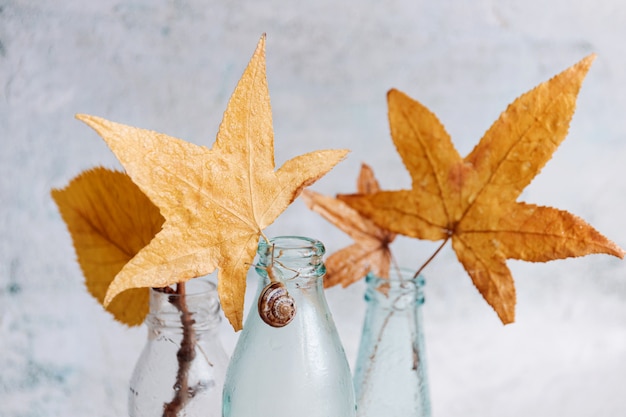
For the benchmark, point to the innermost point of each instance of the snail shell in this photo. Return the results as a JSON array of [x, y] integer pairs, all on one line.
[[276, 307]]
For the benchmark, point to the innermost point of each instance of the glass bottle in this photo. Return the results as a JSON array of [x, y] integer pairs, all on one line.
[[182, 368], [390, 374], [299, 369]]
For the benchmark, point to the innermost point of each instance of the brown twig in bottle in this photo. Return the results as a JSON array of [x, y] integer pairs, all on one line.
[[186, 354]]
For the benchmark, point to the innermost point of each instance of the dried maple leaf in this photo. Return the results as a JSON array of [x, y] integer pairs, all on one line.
[[216, 202], [110, 220], [370, 250], [472, 200]]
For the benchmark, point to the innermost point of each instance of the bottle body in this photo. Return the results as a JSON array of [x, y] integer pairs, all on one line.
[[390, 376], [299, 369], [181, 369]]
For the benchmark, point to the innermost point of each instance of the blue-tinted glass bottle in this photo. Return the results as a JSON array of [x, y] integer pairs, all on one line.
[[298, 369], [390, 374]]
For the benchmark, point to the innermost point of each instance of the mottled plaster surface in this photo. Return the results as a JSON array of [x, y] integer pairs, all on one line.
[[171, 65]]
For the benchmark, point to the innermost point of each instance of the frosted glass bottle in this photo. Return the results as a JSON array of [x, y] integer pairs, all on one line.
[[299, 369], [390, 374], [180, 372]]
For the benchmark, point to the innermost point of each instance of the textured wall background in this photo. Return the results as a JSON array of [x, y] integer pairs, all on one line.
[[170, 65]]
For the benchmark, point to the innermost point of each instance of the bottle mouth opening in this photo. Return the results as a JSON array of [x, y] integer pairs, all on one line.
[[402, 285], [200, 299], [291, 257], [200, 286], [292, 246], [398, 277]]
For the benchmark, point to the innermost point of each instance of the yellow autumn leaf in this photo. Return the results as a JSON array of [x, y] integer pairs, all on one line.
[[370, 250], [217, 201], [110, 220], [472, 200]]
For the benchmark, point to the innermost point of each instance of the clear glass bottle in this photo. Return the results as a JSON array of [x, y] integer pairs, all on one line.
[[390, 374], [182, 368], [299, 369]]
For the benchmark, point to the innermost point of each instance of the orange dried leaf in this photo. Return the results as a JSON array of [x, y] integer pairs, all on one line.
[[110, 220], [216, 202], [472, 200], [370, 252]]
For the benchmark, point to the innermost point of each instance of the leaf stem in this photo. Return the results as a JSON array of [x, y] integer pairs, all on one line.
[[421, 268], [396, 267], [186, 354]]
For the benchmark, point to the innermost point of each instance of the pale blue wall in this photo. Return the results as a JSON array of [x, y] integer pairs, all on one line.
[[171, 66]]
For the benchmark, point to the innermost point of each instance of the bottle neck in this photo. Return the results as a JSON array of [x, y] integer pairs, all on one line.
[[400, 292], [290, 288], [199, 303], [294, 260]]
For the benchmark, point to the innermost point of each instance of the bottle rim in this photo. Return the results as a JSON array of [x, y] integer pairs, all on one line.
[[292, 258], [199, 286], [398, 276], [397, 284], [201, 299], [301, 246]]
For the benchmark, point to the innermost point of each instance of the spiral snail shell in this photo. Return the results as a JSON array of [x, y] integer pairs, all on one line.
[[276, 307]]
